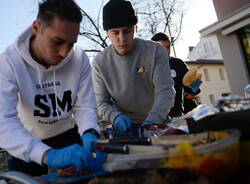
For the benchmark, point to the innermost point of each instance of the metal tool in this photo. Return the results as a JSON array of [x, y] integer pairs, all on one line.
[[110, 147], [133, 141]]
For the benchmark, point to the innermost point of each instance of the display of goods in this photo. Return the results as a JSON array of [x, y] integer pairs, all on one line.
[[150, 176], [214, 155]]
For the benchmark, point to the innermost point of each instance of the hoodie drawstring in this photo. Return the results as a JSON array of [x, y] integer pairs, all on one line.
[[54, 81], [39, 77]]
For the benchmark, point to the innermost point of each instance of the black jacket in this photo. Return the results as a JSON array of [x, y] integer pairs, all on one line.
[[178, 70]]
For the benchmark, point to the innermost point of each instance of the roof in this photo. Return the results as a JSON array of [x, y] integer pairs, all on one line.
[[232, 22]]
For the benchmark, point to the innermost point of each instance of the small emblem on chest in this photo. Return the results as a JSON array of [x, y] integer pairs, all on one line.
[[142, 69]]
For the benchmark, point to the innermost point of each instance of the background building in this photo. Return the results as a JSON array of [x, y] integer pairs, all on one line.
[[215, 80], [233, 33], [207, 48]]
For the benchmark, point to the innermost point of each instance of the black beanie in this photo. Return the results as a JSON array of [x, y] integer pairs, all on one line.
[[118, 13]]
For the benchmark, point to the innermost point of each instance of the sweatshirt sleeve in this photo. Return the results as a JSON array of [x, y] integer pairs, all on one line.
[[15, 139], [106, 109], [163, 87], [85, 110]]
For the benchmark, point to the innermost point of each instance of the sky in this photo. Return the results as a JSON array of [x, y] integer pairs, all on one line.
[[16, 15]]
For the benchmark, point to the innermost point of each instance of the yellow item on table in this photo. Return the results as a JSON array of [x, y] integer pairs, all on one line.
[[191, 76]]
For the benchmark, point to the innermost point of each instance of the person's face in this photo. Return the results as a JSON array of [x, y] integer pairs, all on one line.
[[53, 42], [122, 38], [166, 44]]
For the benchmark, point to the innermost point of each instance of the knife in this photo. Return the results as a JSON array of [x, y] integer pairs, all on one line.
[[133, 141], [154, 141], [110, 148]]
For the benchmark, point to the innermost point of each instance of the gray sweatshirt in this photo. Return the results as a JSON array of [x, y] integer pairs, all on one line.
[[138, 84]]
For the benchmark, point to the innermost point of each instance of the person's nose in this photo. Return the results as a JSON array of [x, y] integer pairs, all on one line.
[[64, 50], [122, 37]]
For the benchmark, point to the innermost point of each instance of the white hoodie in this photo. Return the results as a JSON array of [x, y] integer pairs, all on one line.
[[29, 110]]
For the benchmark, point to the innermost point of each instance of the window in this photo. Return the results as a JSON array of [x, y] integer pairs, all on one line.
[[225, 94], [221, 72], [211, 98], [208, 47], [206, 74]]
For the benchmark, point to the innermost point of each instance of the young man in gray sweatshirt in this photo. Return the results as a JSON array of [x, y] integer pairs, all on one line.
[[132, 78]]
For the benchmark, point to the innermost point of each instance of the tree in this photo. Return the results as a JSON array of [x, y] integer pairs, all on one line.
[[91, 29], [160, 16], [154, 16]]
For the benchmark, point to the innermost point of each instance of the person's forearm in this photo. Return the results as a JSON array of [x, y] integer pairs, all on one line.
[[107, 112]]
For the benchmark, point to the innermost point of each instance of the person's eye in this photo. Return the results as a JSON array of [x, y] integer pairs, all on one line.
[[128, 30], [57, 42], [114, 33]]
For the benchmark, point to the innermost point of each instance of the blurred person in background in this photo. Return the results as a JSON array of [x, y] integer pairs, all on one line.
[[185, 95]]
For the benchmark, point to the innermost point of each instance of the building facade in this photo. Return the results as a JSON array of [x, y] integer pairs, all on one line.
[[215, 80], [207, 48], [233, 33]]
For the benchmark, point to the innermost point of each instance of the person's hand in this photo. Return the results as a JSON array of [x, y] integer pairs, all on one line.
[[144, 127], [192, 90], [72, 155], [122, 124], [98, 158], [87, 141], [149, 129], [195, 86]]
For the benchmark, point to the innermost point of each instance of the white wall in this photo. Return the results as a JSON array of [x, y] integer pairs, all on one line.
[[215, 86]]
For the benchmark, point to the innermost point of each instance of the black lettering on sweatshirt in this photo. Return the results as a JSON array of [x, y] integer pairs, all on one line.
[[41, 101]]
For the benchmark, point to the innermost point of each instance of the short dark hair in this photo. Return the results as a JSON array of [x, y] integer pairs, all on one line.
[[64, 9], [160, 36]]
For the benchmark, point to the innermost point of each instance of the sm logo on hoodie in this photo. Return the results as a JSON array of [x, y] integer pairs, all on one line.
[[43, 103]]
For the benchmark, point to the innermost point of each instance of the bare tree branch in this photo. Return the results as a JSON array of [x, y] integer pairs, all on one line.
[[97, 30], [92, 50], [154, 16]]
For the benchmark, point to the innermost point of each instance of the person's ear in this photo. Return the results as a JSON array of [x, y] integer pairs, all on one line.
[[136, 28], [36, 25], [107, 33]]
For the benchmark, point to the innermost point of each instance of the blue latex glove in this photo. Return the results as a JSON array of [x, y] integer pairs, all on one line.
[[122, 124], [142, 126], [87, 140], [195, 86], [100, 157], [72, 155], [151, 129], [146, 122]]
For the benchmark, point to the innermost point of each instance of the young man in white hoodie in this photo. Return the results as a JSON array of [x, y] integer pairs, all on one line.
[[46, 90], [132, 79]]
